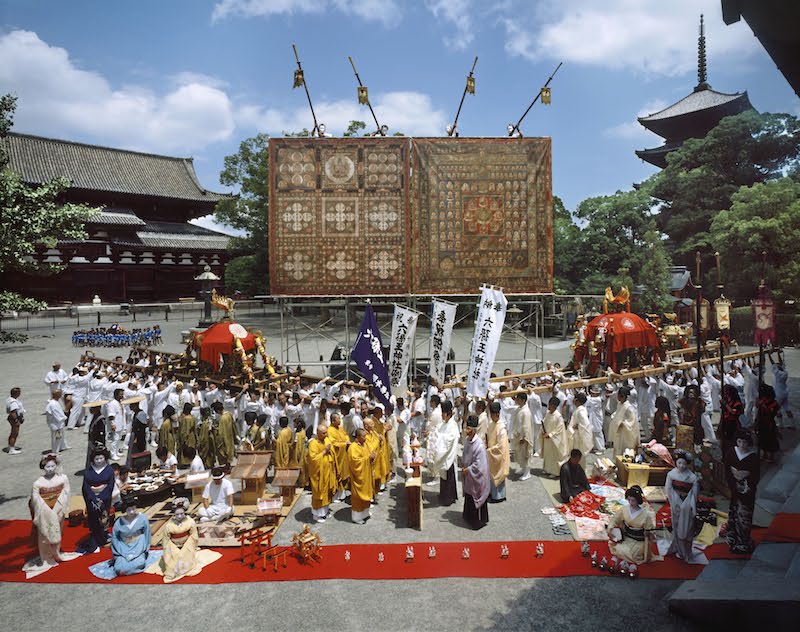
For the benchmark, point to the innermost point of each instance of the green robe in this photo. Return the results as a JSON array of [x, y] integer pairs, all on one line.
[[166, 437], [205, 443], [187, 435], [225, 439]]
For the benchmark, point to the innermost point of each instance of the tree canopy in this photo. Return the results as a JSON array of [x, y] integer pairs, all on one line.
[[33, 217]]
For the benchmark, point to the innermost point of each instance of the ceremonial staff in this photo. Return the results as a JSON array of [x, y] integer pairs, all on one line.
[[697, 259], [544, 93], [720, 305], [469, 87], [363, 99], [300, 80]]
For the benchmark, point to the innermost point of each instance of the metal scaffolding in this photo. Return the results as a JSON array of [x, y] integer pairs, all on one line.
[[304, 317]]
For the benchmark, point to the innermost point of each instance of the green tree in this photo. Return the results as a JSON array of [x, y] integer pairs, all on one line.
[[569, 265], [654, 276], [612, 236], [32, 217], [702, 176], [354, 128], [248, 171], [762, 217]]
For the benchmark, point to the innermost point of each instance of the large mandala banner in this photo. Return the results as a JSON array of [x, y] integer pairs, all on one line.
[[482, 213], [338, 216]]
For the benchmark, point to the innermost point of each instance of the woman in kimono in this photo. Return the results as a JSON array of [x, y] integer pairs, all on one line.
[[743, 474], [767, 409], [48, 503], [630, 528], [97, 428], [681, 490], [130, 545], [731, 409], [98, 486], [181, 557]]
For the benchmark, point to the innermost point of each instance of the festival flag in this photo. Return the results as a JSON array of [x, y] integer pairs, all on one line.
[[363, 95], [367, 354], [722, 307], [764, 315], [299, 79], [442, 318], [404, 329], [471, 84], [488, 328], [545, 96]]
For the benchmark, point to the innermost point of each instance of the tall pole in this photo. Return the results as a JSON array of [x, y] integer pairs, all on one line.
[[464, 94], [697, 259], [369, 105], [308, 95], [761, 339], [536, 98]]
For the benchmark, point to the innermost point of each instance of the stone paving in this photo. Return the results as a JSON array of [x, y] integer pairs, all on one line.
[[577, 603]]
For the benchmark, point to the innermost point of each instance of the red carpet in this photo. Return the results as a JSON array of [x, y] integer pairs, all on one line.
[[785, 527], [561, 559]]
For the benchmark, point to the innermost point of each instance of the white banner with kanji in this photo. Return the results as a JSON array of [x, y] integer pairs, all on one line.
[[404, 328], [443, 316], [488, 328]]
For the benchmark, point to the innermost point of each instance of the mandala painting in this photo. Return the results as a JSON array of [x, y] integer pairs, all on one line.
[[482, 213], [338, 216]]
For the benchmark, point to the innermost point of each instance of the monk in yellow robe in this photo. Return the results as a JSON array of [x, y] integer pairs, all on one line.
[[359, 461], [284, 445], [167, 434], [300, 451], [340, 441], [205, 439], [382, 426], [375, 444], [321, 466]]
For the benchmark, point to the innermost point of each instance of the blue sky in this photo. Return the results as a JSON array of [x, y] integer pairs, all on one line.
[[195, 77]]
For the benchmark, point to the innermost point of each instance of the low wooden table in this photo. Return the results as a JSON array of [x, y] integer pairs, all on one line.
[[657, 474]]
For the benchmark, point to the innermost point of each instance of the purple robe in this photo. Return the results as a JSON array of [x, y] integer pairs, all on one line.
[[476, 478]]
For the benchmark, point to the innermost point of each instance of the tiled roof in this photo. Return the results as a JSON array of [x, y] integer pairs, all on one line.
[[700, 100], [115, 218], [171, 235], [90, 167], [679, 278]]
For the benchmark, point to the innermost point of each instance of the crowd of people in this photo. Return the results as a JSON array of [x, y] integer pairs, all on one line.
[[346, 443], [117, 336]]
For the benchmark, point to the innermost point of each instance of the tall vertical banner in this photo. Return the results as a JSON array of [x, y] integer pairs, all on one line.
[[367, 353], [443, 316], [764, 317], [488, 328], [404, 329]]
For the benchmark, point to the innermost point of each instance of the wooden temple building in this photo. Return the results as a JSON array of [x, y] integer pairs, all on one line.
[[694, 115], [140, 246]]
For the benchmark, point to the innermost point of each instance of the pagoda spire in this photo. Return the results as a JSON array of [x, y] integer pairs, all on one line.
[[702, 75]]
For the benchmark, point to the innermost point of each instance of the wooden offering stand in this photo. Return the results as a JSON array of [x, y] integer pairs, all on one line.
[[286, 480]]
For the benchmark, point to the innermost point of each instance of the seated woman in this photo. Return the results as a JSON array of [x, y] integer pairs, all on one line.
[[48, 504], [630, 528], [130, 545], [181, 556], [681, 490]]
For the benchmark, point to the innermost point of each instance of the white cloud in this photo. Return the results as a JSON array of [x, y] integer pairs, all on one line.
[[652, 38], [407, 112], [457, 13], [632, 129], [54, 93], [208, 221], [385, 11]]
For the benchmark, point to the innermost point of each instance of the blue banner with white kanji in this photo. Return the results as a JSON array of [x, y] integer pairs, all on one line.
[[367, 354]]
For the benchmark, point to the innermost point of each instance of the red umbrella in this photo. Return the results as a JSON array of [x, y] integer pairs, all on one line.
[[220, 339]]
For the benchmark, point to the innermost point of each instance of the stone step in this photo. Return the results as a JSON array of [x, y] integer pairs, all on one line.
[[793, 572], [721, 569], [738, 603]]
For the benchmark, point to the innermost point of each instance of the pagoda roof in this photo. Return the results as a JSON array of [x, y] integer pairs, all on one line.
[[38, 159], [657, 156], [703, 108]]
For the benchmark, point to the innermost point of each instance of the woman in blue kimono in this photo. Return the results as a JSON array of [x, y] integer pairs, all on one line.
[[130, 545], [98, 485]]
